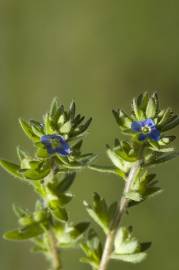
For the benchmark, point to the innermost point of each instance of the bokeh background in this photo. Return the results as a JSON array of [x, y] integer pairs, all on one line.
[[101, 54]]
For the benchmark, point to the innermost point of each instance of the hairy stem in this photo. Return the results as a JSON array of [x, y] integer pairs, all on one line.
[[102, 169], [55, 253], [121, 209], [52, 241]]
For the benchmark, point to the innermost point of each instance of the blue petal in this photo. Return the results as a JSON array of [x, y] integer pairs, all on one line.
[[155, 134], [61, 140], [63, 148], [149, 122], [142, 137], [50, 150], [136, 126], [45, 139], [63, 151]]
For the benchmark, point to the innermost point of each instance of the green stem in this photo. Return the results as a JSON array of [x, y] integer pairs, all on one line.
[[121, 209], [55, 252], [102, 169], [52, 241]]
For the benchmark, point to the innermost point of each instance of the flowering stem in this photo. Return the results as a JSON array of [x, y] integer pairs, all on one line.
[[121, 209], [55, 253]]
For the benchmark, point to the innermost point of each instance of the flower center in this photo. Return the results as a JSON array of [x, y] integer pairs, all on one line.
[[146, 129], [54, 143]]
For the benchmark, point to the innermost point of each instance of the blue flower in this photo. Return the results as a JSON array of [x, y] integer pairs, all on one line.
[[147, 129], [56, 144]]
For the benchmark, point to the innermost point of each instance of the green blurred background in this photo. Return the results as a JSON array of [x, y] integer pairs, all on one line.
[[101, 54]]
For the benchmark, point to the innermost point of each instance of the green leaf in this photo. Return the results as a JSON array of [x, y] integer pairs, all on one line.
[[122, 119], [11, 168], [93, 249], [24, 233], [151, 108], [78, 120], [66, 183], [134, 196], [37, 128], [139, 114], [86, 125], [124, 242], [62, 160], [142, 101], [48, 128], [122, 165], [127, 248], [41, 151], [19, 211], [90, 261], [59, 213], [35, 174], [40, 215], [131, 258], [156, 100], [153, 191], [160, 146], [116, 116], [79, 229], [80, 130], [66, 128], [166, 140], [145, 246], [86, 159], [115, 159], [165, 117], [77, 146], [53, 107], [68, 234], [65, 198], [112, 210], [163, 158], [171, 124], [126, 156], [21, 154], [28, 130], [72, 110], [26, 220], [62, 117], [39, 249], [96, 218], [99, 212]]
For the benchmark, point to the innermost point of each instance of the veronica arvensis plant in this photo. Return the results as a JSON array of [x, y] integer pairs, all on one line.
[[147, 145], [53, 167], [51, 171]]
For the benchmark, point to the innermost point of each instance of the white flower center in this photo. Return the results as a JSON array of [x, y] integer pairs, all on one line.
[[146, 129]]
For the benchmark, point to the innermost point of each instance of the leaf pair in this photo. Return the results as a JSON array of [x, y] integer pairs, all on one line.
[[31, 224], [100, 212], [127, 248]]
